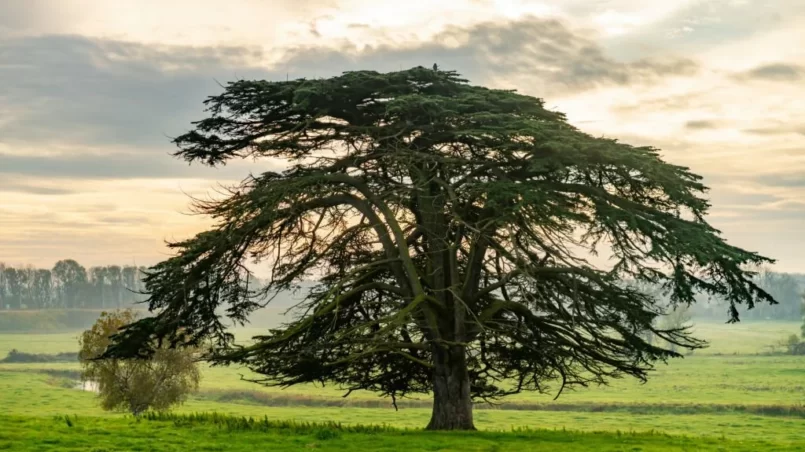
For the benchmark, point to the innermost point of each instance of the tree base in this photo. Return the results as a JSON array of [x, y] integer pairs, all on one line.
[[451, 425], [452, 403]]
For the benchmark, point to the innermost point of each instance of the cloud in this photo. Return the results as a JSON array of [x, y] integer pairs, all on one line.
[[23, 15], [701, 124], [69, 89], [184, 22], [111, 95], [9, 184], [670, 102], [544, 55], [779, 128], [777, 196], [121, 166], [699, 25], [796, 180], [776, 72], [85, 122], [89, 245], [127, 220]]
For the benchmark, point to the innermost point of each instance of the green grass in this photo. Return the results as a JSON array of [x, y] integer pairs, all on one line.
[[766, 380], [39, 343], [700, 379], [32, 397], [33, 394], [206, 433], [729, 391], [732, 380]]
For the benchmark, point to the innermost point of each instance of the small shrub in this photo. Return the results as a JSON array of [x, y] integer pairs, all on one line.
[[794, 345], [136, 385]]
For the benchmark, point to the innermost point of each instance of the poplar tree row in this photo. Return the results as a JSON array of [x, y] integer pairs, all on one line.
[[69, 285]]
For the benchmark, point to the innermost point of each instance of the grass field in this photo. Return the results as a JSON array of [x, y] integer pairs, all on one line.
[[181, 434], [727, 397]]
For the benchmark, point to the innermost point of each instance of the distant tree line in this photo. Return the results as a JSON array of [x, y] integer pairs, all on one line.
[[788, 289], [69, 285]]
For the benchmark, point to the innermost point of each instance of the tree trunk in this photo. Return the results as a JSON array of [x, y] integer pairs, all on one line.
[[452, 404]]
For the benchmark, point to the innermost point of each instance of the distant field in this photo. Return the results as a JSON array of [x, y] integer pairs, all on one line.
[[726, 391], [734, 377], [47, 320], [724, 339], [697, 381]]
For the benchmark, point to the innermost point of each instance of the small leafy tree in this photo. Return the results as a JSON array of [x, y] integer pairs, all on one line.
[[136, 385]]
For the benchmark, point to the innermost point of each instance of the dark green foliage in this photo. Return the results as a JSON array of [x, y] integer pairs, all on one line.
[[447, 225]]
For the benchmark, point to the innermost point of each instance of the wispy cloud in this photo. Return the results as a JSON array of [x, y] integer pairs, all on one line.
[[778, 72], [545, 53], [781, 130], [119, 165], [701, 124]]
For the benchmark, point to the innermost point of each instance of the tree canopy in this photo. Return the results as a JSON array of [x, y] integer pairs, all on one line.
[[449, 228]]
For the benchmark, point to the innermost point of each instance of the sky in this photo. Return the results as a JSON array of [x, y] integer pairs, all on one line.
[[91, 91]]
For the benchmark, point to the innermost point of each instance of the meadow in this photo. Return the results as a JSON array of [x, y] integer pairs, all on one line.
[[731, 396]]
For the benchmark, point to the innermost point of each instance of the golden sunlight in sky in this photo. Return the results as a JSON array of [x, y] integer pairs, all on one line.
[[95, 90]]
